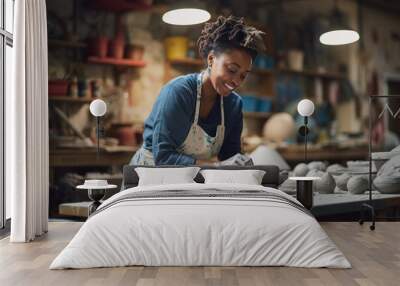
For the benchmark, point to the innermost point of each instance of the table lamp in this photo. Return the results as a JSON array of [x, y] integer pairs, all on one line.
[[98, 108], [305, 108]]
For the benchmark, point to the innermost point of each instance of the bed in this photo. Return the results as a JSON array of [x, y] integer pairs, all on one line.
[[198, 224]]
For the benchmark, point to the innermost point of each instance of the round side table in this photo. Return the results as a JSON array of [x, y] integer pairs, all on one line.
[[96, 191], [304, 190]]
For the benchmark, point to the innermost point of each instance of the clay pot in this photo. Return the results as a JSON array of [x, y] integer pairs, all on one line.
[[98, 46], [58, 87], [296, 60], [116, 50]]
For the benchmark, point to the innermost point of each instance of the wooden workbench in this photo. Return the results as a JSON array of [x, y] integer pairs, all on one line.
[[82, 160], [121, 155], [295, 154], [86, 157]]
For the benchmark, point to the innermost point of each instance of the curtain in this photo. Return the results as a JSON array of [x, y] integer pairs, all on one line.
[[27, 140]]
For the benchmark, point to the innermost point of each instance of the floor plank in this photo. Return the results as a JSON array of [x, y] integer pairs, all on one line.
[[375, 257]]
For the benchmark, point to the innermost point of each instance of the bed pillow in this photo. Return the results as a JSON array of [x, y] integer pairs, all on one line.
[[166, 176], [248, 177]]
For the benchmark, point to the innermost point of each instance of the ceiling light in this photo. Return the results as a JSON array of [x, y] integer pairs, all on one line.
[[338, 31], [186, 16], [339, 37]]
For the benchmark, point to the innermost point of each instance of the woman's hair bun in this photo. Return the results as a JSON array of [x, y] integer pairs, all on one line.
[[230, 32]]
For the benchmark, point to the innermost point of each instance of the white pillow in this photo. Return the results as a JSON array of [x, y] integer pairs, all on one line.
[[248, 177], [165, 176]]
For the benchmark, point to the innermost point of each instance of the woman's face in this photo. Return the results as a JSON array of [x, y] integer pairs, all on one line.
[[229, 70]]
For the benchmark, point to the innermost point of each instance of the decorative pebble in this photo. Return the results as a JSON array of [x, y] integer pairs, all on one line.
[[301, 170], [357, 185], [341, 181], [388, 179], [317, 165], [326, 185], [334, 167], [288, 186]]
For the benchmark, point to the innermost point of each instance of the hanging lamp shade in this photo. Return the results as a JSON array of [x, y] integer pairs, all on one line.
[[339, 37], [338, 31], [186, 13]]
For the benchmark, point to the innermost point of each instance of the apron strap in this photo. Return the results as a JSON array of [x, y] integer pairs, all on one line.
[[198, 98], [222, 111]]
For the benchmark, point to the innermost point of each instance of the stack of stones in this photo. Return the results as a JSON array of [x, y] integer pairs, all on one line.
[[334, 180]]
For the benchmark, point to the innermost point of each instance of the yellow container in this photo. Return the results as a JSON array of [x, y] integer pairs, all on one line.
[[176, 47]]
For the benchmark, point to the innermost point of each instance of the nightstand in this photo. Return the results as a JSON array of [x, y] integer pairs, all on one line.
[[96, 191], [304, 190]]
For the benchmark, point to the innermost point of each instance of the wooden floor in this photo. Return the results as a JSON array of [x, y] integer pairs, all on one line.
[[375, 257]]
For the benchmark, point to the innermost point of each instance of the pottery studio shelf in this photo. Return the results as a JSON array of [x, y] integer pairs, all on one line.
[[266, 72], [305, 73], [117, 62], [315, 74]]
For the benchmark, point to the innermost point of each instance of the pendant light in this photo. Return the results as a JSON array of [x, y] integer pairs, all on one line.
[[186, 13], [305, 108], [338, 32]]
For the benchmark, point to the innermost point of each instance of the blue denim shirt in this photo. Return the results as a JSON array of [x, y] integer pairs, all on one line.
[[168, 124]]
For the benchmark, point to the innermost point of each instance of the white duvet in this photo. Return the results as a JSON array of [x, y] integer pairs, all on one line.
[[185, 231]]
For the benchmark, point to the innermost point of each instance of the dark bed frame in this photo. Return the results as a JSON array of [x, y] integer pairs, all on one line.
[[270, 179]]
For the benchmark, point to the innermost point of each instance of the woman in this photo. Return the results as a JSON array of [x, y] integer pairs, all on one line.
[[199, 116]]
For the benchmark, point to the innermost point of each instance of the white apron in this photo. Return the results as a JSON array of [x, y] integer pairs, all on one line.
[[198, 143]]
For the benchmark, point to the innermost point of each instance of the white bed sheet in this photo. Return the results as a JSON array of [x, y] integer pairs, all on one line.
[[200, 231]]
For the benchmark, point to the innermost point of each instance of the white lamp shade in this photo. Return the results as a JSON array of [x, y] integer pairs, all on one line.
[[186, 16], [339, 37], [305, 107], [98, 107]]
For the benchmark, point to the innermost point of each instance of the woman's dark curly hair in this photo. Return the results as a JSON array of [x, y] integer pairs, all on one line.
[[230, 33]]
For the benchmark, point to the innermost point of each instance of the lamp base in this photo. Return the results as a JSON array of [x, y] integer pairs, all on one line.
[[370, 208], [95, 195], [304, 193]]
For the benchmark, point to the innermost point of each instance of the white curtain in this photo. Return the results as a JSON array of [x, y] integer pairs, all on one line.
[[27, 139]]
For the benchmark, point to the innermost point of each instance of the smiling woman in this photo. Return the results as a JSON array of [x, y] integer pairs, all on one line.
[[199, 116]]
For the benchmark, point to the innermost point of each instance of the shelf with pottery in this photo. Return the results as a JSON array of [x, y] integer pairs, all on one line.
[[311, 73], [117, 62], [266, 72], [305, 73]]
